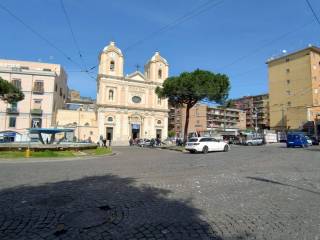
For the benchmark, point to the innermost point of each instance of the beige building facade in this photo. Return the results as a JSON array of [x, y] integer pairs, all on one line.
[[294, 85], [45, 89], [126, 105], [84, 123], [257, 110], [203, 118]]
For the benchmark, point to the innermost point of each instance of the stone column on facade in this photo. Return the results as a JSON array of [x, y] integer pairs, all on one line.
[[126, 97], [142, 128], [101, 124], [153, 127], [117, 128], [165, 126]]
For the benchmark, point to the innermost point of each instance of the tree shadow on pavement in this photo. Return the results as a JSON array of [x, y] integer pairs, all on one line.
[[102, 207]]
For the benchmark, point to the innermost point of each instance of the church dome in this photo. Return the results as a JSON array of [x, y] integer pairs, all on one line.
[[112, 48]]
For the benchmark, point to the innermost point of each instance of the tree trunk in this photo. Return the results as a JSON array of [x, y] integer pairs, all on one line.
[[186, 126]]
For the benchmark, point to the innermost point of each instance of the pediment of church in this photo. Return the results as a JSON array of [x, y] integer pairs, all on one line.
[[136, 76]]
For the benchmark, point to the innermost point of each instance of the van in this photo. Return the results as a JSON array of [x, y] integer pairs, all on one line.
[[297, 140]]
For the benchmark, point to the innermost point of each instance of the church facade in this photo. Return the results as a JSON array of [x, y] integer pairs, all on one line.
[[126, 105]]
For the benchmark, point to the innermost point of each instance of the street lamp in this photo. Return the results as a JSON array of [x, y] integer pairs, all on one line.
[[316, 126], [256, 119]]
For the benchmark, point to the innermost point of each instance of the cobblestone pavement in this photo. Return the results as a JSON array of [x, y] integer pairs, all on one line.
[[267, 192]]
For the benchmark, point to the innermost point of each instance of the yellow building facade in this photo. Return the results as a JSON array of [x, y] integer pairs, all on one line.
[[294, 83]]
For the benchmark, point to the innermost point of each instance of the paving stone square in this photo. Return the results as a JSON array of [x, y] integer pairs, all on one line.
[[263, 192]]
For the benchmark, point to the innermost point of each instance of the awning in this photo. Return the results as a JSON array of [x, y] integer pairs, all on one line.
[[8, 134], [50, 130]]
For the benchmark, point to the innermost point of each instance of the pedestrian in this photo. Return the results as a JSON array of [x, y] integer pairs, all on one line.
[[130, 142], [152, 142], [158, 141]]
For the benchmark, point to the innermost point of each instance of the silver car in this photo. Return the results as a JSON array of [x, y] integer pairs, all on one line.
[[254, 141]]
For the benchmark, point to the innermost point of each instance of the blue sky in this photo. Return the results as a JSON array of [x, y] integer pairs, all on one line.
[[236, 37]]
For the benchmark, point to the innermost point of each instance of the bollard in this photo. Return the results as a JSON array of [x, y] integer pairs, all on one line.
[[27, 153]]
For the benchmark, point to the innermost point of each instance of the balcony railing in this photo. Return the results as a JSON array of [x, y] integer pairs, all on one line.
[[36, 111], [12, 111], [38, 90]]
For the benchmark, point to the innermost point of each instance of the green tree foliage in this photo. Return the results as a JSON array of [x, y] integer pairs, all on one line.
[[9, 93], [171, 133], [228, 104], [191, 87]]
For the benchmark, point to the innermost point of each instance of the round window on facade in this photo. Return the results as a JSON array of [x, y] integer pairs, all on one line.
[[159, 122], [136, 99], [110, 119]]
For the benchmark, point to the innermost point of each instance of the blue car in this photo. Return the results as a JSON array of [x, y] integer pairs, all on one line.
[[297, 140]]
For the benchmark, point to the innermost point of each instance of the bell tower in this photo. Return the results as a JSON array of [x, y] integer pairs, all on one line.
[[111, 61], [157, 69]]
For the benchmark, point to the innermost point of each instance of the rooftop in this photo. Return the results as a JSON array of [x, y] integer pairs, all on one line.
[[310, 48]]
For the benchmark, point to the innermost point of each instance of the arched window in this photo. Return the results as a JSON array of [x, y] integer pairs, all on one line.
[[160, 74], [112, 66], [111, 95]]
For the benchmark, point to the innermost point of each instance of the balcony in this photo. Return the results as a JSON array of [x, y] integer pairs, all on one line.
[[37, 90], [36, 111], [12, 111]]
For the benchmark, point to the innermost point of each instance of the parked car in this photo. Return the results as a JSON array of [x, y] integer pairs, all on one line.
[[314, 140], [144, 143], [309, 141], [205, 145], [297, 140], [253, 141]]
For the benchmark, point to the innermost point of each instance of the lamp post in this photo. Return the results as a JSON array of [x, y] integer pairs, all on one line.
[[256, 119], [316, 126], [78, 124]]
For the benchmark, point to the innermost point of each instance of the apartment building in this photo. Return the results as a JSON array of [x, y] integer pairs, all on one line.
[[294, 84], [203, 118], [45, 89], [257, 110]]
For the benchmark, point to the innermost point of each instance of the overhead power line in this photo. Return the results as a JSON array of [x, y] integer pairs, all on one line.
[[254, 51], [185, 17], [73, 34], [313, 12], [35, 32]]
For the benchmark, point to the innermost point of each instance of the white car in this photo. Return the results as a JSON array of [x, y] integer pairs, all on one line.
[[205, 145]]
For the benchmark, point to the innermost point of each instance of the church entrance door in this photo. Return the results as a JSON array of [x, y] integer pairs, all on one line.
[[135, 128], [158, 133], [109, 133]]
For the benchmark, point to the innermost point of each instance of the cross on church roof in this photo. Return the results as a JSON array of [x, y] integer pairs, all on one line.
[[137, 67]]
